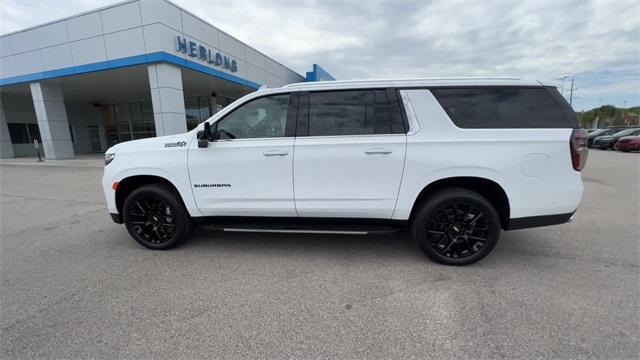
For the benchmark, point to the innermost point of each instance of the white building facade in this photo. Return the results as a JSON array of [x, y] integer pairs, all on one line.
[[132, 70]]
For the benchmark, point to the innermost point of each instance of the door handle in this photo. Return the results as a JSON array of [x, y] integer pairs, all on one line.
[[378, 151], [275, 153]]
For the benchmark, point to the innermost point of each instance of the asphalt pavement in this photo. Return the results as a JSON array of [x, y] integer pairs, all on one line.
[[75, 285]]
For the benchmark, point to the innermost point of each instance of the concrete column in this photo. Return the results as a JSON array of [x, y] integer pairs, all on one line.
[[48, 102], [6, 149], [165, 81]]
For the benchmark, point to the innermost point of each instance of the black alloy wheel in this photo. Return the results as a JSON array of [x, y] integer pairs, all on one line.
[[458, 230], [155, 217], [153, 220], [456, 226]]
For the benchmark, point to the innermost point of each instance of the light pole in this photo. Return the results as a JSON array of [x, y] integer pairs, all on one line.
[[562, 86], [624, 106], [571, 93], [571, 90], [598, 114]]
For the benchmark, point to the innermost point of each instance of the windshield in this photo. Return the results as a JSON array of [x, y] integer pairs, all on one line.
[[610, 131], [598, 132], [627, 132]]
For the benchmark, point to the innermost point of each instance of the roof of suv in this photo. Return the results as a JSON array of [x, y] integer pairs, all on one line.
[[470, 81]]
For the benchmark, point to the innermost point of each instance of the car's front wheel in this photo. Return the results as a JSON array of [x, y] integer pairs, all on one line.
[[456, 226], [155, 217]]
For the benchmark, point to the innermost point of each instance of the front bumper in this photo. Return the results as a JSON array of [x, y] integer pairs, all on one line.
[[116, 218]]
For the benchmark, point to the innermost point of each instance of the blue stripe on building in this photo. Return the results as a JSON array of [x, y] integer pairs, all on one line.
[[150, 58]]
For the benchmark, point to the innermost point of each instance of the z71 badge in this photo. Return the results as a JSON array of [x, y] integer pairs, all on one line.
[[176, 144]]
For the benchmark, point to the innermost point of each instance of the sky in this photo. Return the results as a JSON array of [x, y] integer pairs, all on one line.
[[595, 42]]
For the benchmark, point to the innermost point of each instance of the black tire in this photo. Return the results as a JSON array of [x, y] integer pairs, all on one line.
[[155, 217], [456, 226]]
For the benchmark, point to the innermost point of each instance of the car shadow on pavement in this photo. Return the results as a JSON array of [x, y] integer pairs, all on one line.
[[387, 247], [290, 245]]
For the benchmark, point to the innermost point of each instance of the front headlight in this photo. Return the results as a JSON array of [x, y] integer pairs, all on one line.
[[108, 158]]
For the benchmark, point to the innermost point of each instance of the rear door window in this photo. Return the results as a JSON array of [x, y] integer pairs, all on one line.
[[351, 112], [506, 107]]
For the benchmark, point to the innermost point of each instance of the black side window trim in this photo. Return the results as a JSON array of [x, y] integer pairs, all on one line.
[[302, 125], [405, 118], [292, 113], [398, 114]]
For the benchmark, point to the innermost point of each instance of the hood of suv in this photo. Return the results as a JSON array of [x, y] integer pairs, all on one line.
[[150, 144]]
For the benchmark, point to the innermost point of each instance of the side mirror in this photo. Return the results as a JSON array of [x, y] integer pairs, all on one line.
[[204, 136]]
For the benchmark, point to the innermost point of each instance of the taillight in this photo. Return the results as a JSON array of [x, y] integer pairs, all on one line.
[[579, 149]]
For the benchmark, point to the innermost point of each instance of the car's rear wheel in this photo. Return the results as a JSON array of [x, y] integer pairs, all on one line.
[[155, 217], [456, 226]]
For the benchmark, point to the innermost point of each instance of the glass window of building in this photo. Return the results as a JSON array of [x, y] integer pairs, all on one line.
[[200, 108], [128, 121], [23, 133]]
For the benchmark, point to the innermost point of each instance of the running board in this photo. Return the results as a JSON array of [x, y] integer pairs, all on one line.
[[302, 225], [299, 231]]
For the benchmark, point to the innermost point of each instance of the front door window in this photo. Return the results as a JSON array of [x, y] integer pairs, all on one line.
[[265, 117]]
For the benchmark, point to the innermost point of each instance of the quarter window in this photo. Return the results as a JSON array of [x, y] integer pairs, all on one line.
[[265, 117], [505, 107]]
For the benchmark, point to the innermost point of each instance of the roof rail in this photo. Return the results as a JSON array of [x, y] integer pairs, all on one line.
[[348, 82]]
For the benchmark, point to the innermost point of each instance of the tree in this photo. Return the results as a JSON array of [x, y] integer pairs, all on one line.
[[609, 115]]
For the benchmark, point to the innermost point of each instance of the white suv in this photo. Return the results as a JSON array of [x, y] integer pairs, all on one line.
[[455, 161]]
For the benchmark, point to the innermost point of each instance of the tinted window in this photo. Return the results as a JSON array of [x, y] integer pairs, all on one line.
[[353, 112], [21, 133], [264, 117], [505, 107]]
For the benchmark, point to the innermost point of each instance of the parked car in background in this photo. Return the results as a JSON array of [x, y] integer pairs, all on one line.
[[628, 143], [608, 141], [600, 132]]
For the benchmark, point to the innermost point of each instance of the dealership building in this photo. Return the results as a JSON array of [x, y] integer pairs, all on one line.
[[132, 70]]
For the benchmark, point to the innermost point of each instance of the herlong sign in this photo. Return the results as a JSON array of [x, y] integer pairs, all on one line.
[[203, 53]]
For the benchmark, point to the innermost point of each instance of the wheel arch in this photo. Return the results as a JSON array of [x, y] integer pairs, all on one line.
[[127, 185], [490, 189]]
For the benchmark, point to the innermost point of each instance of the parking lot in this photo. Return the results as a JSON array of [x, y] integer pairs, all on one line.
[[75, 285]]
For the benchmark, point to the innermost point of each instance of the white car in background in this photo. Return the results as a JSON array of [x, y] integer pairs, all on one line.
[[455, 161]]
